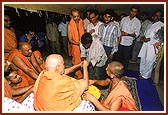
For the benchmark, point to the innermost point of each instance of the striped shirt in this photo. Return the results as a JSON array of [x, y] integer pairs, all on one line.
[[109, 36]]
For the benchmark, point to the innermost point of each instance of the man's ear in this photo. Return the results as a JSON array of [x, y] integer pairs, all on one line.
[[112, 18]]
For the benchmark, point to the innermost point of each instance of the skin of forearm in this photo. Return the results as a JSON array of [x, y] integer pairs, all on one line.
[[102, 82], [32, 74], [24, 96], [71, 69], [20, 91], [85, 75], [99, 106]]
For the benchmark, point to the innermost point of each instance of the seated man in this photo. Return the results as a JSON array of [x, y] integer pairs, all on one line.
[[94, 53], [11, 78], [120, 97], [39, 59], [28, 67], [54, 90]]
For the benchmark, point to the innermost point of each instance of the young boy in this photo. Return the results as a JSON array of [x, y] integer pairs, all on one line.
[[95, 54]]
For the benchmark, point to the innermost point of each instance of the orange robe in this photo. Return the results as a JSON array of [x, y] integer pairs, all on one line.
[[26, 79], [121, 91], [55, 92], [74, 50], [7, 89], [10, 41], [36, 54]]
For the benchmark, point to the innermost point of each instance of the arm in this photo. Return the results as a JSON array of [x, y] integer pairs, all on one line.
[[21, 90], [70, 37], [85, 81], [35, 64], [115, 106], [89, 97], [103, 82], [20, 64], [71, 69], [25, 95]]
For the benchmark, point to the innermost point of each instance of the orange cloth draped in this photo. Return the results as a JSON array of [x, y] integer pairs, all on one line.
[[7, 89], [10, 41], [26, 80], [74, 50], [36, 54], [55, 92], [121, 91]]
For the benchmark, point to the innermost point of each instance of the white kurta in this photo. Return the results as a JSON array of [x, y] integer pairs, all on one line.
[[95, 54], [148, 51]]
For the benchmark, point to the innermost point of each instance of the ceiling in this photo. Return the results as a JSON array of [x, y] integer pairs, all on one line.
[[65, 8]]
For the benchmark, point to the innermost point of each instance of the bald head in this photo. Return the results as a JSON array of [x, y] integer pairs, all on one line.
[[25, 49], [116, 68], [55, 62]]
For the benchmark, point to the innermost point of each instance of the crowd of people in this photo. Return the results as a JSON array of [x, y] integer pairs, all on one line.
[[100, 49]]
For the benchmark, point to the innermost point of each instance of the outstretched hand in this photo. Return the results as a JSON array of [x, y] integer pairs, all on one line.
[[88, 96]]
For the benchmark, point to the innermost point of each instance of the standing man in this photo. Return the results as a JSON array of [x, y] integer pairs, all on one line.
[[108, 34], [75, 31], [93, 27], [86, 21], [62, 28], [130, 28], [150, 46], [138, 44], [53, 36], [10, 40]]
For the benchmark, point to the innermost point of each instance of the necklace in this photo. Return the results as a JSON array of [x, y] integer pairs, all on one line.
[[115, 85]]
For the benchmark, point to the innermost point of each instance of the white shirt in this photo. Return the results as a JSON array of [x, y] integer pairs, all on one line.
[[62, 27], [91, 26], [95, 54], [147, 50], [144, 25], [129, 26], [86, 22]]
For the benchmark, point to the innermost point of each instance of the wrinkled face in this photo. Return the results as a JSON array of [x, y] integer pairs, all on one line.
[[7, 22], [26, 50], [93, 18], [39, 59], [107, 18], [15, 78], [61, 67], [133, 12], [76, 16]]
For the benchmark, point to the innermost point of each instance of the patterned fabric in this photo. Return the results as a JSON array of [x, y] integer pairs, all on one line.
[[131, 83], [13, 106], [109, 36], [85, 106]]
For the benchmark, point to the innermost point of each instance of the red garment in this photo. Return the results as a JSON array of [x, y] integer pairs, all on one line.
[[74, 50], [37, 54], [26, 79], [7, 89], [10, 41]]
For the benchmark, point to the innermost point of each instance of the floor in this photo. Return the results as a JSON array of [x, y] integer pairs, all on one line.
[[133, 66]]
